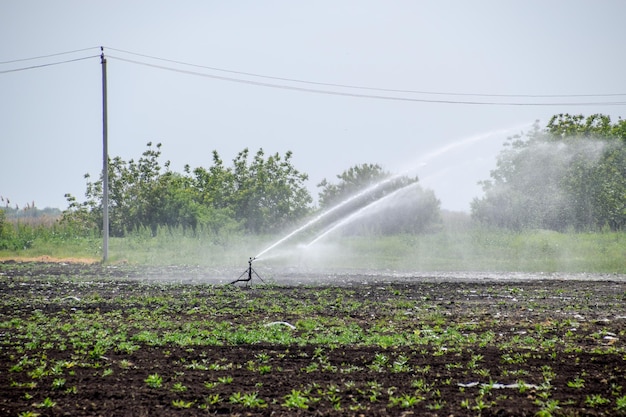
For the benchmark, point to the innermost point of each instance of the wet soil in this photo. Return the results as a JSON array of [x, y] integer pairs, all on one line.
[[513, 344]]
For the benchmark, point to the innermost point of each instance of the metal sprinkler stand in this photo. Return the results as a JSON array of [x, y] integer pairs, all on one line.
[[247, 274]]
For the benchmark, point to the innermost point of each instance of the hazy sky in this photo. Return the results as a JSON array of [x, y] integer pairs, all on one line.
[[464, 51]]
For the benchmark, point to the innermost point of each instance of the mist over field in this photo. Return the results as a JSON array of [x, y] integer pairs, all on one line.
[[554, 202]]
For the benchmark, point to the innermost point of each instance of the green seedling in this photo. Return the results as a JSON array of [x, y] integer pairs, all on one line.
[[577, 383], [46, 403], [179, 387], [296, 399], [250, 400], [154, 381], [182, 403], [58, 383], [28, 414], [213, 399], [404, 400], [620, 404], [225, 380], [595, 400]]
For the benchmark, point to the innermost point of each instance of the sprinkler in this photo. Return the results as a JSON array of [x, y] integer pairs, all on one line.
[[246, 276]]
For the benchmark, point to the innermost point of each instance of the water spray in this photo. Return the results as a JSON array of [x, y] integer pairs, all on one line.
[[246, 276], [328, 212], [422, 162], [357, 213]]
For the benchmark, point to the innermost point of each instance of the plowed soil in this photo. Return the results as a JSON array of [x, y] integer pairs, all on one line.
[[474, 345]]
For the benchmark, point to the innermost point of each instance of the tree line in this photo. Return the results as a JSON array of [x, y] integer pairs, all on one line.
[[569, 175], [256, 194]]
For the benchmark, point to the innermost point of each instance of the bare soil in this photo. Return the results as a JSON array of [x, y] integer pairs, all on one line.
[[591, 311], [48, 259]]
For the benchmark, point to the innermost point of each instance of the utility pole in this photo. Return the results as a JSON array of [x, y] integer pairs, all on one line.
[[105, 162]]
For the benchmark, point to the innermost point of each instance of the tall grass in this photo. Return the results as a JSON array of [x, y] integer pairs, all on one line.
[[494, 250], [177, 247], [459, 246]]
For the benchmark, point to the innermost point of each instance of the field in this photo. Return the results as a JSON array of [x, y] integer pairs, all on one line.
[[79, 339]]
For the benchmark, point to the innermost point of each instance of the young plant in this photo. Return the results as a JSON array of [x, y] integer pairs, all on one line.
[[401, 364], [404, 400], [548, 408], [179, 387], [28, 414], [577, 383], [235, 398], [375, 391], [437, 405], [296, 399], [379, 363], [265, 369], [213, 399], [595, 400], [420, 385], [312, 367], [154, 381], [620, 404], [548, 373], [480, 405], [225, 380], [474, 361], [252, 400], [182, 403], [58, 383], [46, 403]]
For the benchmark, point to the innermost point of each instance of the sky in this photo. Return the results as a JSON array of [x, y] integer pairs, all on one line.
[[427, 88]]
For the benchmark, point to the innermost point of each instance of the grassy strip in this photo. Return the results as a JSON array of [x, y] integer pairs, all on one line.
[[469, 248]]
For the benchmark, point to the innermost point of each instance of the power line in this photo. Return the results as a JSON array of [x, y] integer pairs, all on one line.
[[325, 91], [49, 64], [390, 90], [361, 95], [48, 56]]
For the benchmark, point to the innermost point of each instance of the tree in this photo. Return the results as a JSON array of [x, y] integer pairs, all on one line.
[[262, 196], [215, 185], [267, 194], [385, 204], [351, 181], [572, 174], [135, 190]]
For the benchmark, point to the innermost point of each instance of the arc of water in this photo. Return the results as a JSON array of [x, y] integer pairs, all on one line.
[[357, 213], [431, 155], [328, 212], [466, 142]]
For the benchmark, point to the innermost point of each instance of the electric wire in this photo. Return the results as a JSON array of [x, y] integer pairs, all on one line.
[[48, 56], [363, 87], [49, 64], [360, 95], [314, 83]]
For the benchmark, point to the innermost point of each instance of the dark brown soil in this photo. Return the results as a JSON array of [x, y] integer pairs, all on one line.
[[550, 311]]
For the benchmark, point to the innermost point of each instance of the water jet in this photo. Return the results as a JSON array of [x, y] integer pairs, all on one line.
[[360, 212], [421, 162]]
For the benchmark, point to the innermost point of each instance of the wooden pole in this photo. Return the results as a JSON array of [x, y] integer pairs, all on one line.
[[105, 162]]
